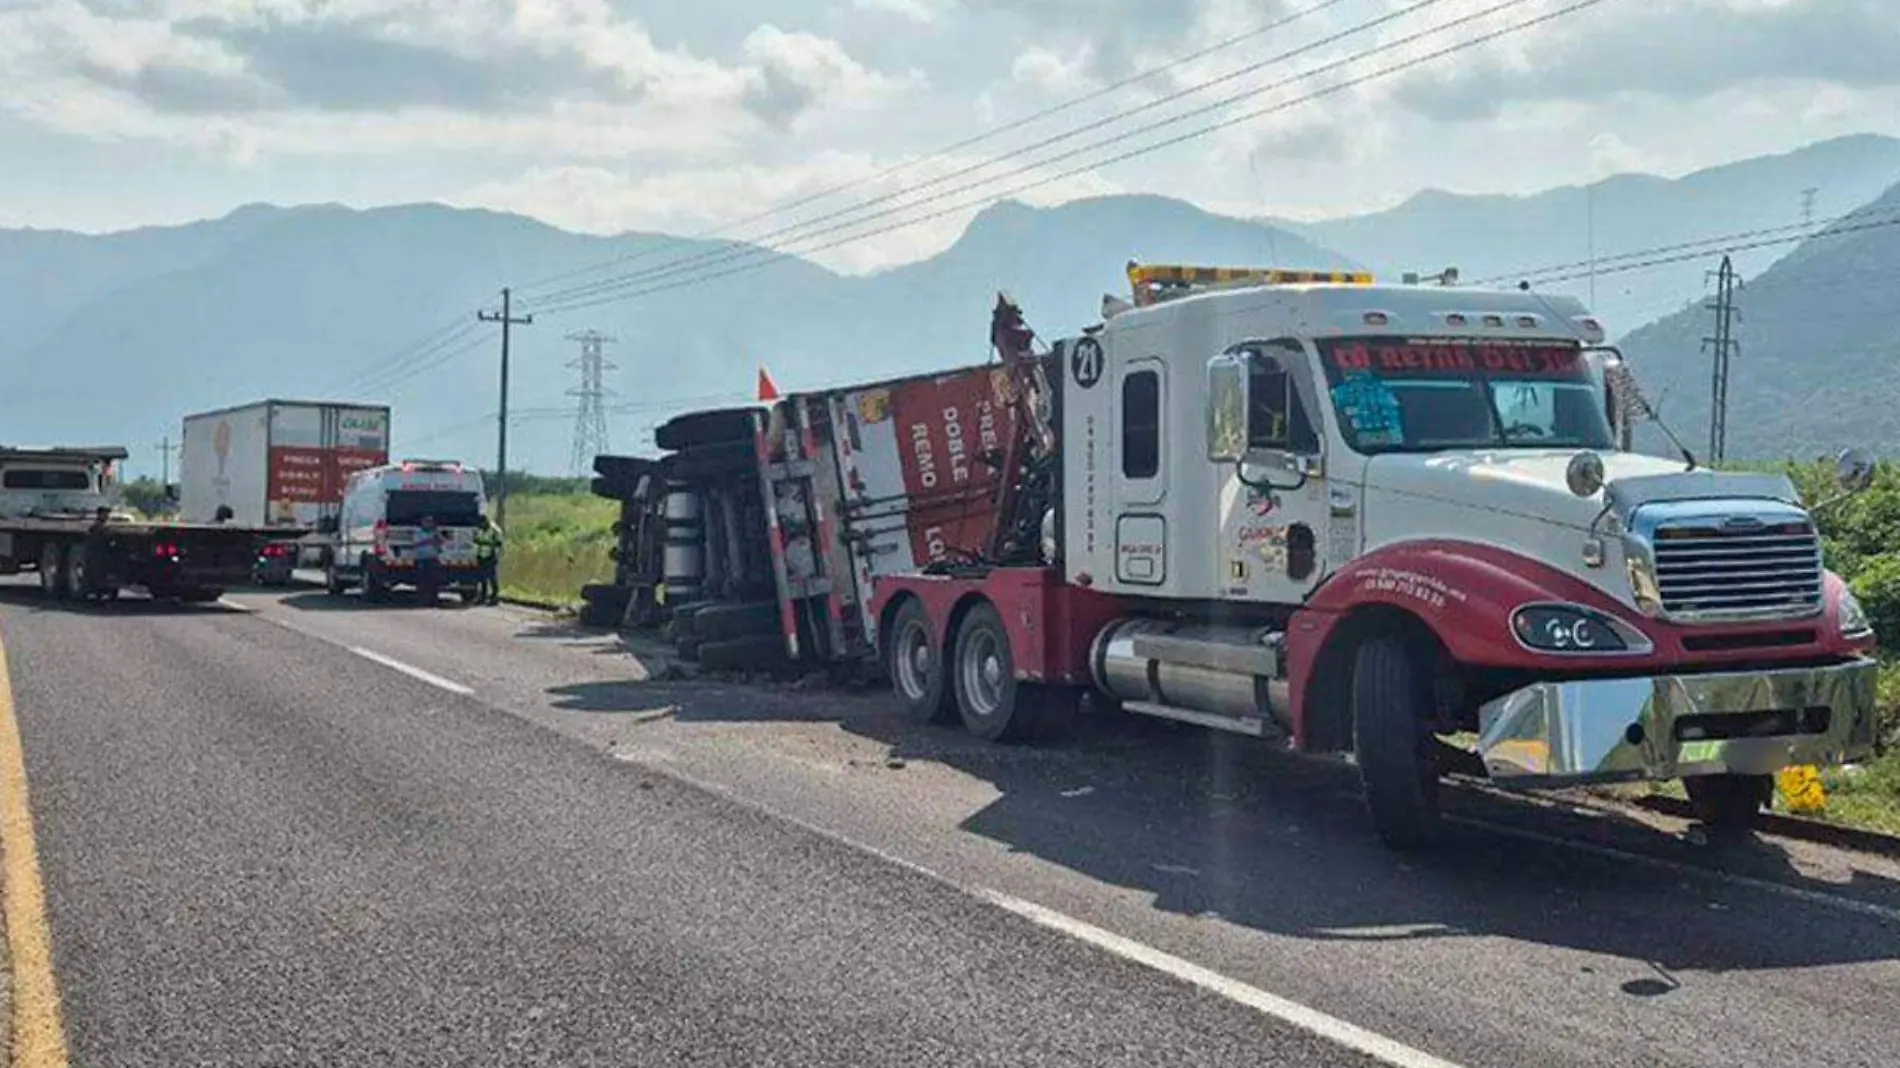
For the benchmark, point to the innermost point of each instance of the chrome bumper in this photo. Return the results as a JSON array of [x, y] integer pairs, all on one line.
[[1672, 726]]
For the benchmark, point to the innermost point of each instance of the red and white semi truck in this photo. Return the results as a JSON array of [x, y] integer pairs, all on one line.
[[1389, 521]]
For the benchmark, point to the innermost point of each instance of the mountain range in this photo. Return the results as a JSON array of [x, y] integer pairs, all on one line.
[[118, 336]]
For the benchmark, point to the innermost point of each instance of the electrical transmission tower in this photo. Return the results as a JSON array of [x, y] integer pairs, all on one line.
[[1723, 345], [590, 415], [1807, 207]]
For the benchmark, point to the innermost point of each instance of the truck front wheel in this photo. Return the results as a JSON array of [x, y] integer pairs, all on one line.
[[53, 572], [917, 667], [1391, 704], [1729, 802]]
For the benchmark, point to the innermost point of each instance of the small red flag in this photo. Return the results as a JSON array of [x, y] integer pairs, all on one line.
[[768, 391]]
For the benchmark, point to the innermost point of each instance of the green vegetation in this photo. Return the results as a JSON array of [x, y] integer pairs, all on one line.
[[557, 543], [1861, 535]]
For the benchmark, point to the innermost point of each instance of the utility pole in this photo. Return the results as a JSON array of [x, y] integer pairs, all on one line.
[[590, 417], [507, 320], [1723, 346], [165, 450]]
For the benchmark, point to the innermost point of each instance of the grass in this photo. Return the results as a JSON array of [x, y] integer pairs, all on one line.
[[557, 543]]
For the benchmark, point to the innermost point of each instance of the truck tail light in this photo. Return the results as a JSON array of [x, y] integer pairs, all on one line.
[[165, 550]]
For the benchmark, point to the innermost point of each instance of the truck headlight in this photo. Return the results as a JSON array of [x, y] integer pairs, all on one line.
[[1854, 621], [1570, 628]]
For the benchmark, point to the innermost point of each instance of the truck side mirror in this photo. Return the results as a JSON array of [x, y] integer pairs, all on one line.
[[1854, 470], [1227, 400]]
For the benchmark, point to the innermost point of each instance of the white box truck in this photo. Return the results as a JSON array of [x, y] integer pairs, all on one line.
[[277, 463]]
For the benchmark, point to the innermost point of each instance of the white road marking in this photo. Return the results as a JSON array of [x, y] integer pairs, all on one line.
[[412, 671], [1353, 1037], [1370, 1043], [1676, 867]]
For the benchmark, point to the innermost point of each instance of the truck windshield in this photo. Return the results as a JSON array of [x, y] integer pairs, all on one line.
[[451, 508], [1425, 395], [64, 478]]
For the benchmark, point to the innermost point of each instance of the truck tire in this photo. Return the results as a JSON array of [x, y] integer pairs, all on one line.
[[53, 571], [603, 604], [332, 581], [760, 652], [1729, 802], [724, 622], [917, 668], [994, 706], [1391, 699], [695, 429], [79, 585]]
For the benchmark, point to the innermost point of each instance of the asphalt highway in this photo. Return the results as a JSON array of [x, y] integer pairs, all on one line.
[[291, 830]]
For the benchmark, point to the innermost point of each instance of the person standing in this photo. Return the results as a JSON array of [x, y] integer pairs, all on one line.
[[428, 549], [488, 543]]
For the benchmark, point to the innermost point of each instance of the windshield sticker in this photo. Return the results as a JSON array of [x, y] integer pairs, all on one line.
[[1457, 358], [1370, 406]]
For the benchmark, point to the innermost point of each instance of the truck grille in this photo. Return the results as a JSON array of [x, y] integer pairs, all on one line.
[[1730, 569]]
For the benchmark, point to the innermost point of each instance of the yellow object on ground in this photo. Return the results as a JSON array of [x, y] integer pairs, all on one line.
[[1801, 788]]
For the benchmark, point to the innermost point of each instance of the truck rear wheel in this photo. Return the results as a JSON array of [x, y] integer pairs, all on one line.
[[53, 571], [78, 574], [1729, 802], [918, 670], [1391, 701], [994, 706]]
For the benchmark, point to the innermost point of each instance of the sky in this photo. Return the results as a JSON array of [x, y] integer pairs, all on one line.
[[700, 116]]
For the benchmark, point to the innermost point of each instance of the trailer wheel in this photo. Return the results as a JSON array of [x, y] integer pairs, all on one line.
[[695, 429], [1729, 802], [53, 572], [1391, 698], [918, 669], [722, 622], [995, 707]]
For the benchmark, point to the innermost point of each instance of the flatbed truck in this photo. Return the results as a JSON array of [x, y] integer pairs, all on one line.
[[58, 519]]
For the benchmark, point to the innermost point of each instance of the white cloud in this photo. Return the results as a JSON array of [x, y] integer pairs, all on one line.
[[600, 200], [923, 11], [790, 74], [1045, 70]]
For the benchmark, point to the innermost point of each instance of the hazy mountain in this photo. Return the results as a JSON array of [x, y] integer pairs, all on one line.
[[118, 336], [1487, 236], [1816, 371]]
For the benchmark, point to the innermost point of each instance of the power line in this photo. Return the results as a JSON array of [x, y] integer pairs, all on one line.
[[406, 351], [1658, 261], [956, 146], [463, 340], [771, 256], [791, 236]]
